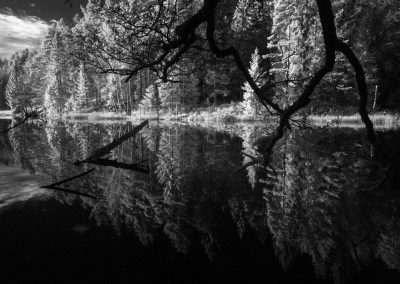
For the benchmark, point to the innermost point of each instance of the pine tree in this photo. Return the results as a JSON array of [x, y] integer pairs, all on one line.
[[247, 14], [240, 21], [82, 89], [190, 91], [151, 99], [250, 153], [4, 77], [295, 47], [13, 88], [59, 71], [176, 96], [54, 99], [169, 95], [251, 104], [51, 95], [110, 91]]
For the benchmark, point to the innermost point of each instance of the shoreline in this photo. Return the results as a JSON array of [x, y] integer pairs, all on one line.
[[202, 118], [380, 120]]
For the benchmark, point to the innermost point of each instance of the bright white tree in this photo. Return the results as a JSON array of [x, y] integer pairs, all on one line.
[[252, 107], [13, 87], [82, 89]]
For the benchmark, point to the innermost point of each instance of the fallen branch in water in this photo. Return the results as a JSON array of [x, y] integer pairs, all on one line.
[[26, 117], [96, 157], [54, 186], [114, 164]]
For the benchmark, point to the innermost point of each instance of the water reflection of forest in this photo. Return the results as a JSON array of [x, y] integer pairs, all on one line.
[[323, 194]]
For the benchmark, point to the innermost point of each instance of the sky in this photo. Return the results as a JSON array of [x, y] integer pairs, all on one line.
[[23, 22]]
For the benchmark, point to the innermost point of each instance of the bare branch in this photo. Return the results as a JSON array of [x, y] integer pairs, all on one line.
[[96, 157], [55, 186]]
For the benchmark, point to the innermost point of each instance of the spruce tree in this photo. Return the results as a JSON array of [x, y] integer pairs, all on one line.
[[184, 94], [240, 21], [252, 107], [110, 91], [295, 47], [51, 97], [151, 99], [82, 89], [59, 71], [13, 88]]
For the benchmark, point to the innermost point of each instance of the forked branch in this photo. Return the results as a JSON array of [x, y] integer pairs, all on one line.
[[96, 157], [55, 186]]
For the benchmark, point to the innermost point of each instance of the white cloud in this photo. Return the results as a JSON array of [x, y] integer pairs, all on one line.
[[19, 32]]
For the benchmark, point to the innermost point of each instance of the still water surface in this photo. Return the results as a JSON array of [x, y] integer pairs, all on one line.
[[325, 210]]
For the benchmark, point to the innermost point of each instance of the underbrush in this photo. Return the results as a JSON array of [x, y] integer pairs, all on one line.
[[228, 113]]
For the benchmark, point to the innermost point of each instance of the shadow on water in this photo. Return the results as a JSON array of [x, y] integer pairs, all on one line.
[[324, 208]]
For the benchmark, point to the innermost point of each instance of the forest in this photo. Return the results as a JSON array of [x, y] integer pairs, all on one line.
[[110, 125], [116, 56]]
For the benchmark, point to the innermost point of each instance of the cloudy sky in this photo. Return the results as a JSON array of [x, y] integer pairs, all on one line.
[[23, 22]]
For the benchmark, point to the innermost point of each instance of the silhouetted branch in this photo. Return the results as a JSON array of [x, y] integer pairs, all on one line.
[[96, 157], [185, 38], [26, 117], [111, 163], [332, 44], [362, 88], [54, 186]]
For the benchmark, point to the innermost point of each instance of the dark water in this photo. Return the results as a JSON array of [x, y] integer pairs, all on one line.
[[326, 210]]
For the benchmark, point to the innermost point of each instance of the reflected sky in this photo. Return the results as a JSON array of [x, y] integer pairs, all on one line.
[[18, 186]]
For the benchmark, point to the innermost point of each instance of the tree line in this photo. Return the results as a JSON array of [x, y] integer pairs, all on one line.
[[82, 66]]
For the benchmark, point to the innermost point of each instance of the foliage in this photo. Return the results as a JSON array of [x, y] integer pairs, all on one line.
[[14, 87], [151, 100], [128, 38], [180, 95], [251, 104]]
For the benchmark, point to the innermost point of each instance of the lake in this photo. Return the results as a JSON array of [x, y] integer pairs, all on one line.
[[205, 206]]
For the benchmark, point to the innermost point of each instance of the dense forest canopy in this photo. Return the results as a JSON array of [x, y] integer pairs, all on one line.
[[84, 66]]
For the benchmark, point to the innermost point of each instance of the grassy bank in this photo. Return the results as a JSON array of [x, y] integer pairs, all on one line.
[[97, 116], [233, 113], [228, 113]]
